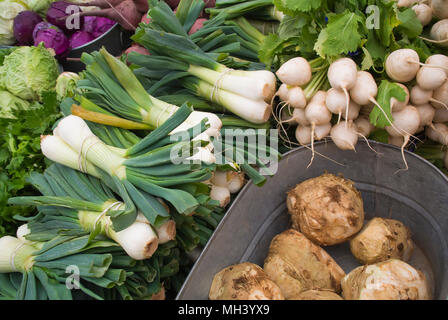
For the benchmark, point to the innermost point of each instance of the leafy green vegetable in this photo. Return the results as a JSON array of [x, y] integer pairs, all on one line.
[[386, 91], [20, 154], [28, 72], [9, 103], [292, 7]]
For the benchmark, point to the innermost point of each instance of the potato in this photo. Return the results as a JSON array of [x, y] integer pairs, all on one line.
[[388, 280], [328, 209], [317, 295], [245, 281], [381, 240], [296, 264]]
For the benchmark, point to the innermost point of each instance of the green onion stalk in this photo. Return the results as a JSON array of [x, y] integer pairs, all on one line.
[[146, 166], [258, 9], [247, 94], [70, 267], [77, 204], [109, 89]]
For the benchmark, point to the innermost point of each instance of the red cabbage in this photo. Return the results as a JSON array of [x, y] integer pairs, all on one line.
[[80, 38], [97, 25], [23, 26], [57, 15], [52, 37]]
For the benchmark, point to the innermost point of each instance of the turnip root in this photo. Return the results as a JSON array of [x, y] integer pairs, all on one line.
[[402, 65], [317, 295], [283, 92], [440, 8], [245, 281], [427, 113], [300, 117], [303, 135], [439, 33], [353, 111], [296, 264], [423, 12], [421, 96], [342, 75], [431, 78], [364, 126], [322, 131], [296, 98], [388, 280], [295, 72], [345, 135], [440, 97], [396, 141], [336, 102], [327, 209], [441, 116], [405, 3], [381, 240], [406, 123], [438, 60], [438, 132], [396, 105]]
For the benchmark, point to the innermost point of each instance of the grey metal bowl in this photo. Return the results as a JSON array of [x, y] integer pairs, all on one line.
[[417, 197], [115, 40]]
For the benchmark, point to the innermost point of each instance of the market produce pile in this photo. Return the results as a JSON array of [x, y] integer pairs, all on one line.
[[297, 266], [87, 173]]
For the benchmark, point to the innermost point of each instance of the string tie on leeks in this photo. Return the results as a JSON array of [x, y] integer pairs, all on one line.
[[217, 85], [13, 256], [82, 156], [115, 206]]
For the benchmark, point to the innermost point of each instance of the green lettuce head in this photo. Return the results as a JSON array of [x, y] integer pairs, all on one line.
[[28, 72], [66, 84], [9, 103]]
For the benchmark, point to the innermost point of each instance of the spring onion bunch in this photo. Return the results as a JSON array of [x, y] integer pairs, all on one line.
[[110, 84], [146, 166], [247, 94], [45, 270], [77, 204]]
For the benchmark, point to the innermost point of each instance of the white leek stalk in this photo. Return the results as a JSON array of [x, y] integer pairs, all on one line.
[[167, 231], [221, 194], [203, 155], [231, 180], [15, 255], [55, 149], [76, 133]]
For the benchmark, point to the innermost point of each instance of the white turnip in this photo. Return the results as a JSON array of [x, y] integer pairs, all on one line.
[[283, 92], [364, 126], [396, 105], [342, 75], [322, 131], [406, 123], [353, 111], [439, 33], [440, 97], [295, 72], [396, 141], [336, 102], [431, 78], [427, 113], [345, 135], [296, 98], [438, 60], [440, 8], [438, 132], [402, 65], [303, 135], [423, 12], [441, 116], [299, 116]]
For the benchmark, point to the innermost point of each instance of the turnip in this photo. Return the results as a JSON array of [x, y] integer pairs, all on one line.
[[439, 33], [364, 126], [336, 102], [396, 105], [342, 75], [283, 92], [441, 116], [423, 12], [440, 97], [299, 116], [303, 135], [402, 65], [440, 8], [345, 135], [406, 123], [427, 113], [353, 111], [431, 78], [296, 98], [405, 3], [420, 96], [322, 131], [438, 132], [438, 60], [295, 72], [396, 141]]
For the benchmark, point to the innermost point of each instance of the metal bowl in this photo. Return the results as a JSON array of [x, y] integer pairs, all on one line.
[[115, 40], [418, 197]]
